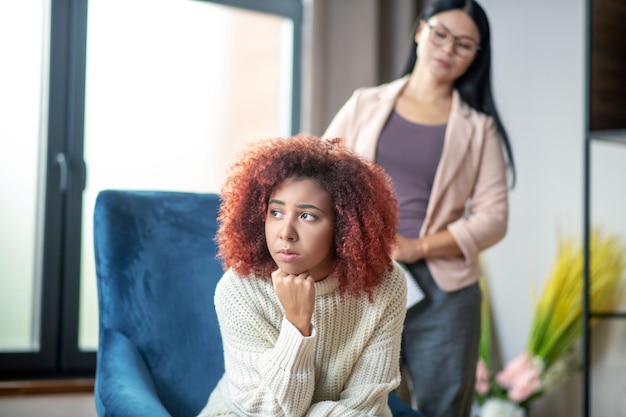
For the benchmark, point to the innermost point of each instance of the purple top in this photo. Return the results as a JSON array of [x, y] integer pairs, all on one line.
[[410, 154]]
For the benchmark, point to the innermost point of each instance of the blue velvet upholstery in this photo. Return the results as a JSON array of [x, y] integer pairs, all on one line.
[[160, 350]]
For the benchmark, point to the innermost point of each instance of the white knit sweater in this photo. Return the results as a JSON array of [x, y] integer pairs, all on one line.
[[345, 368]]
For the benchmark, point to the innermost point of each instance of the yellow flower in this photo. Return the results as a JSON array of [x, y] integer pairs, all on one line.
[[557, 322]]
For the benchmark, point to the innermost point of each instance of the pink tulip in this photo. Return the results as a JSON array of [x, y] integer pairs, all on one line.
[[482, 378], [513, 369], [527, 383], [521, 377]]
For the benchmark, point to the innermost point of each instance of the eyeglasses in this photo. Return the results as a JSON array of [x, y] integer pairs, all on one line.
[[463, 46]]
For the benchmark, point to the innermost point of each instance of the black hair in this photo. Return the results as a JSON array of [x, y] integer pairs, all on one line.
[[474, 86]]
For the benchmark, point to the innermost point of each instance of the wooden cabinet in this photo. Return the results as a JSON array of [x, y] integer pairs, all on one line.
[[607, 69]]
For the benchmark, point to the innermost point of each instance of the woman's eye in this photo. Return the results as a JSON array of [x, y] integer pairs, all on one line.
[[308, 216], [440, 34], [275, 213], [465, 45]]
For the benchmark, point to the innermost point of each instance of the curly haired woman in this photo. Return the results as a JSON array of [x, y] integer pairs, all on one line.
[[311, 305]]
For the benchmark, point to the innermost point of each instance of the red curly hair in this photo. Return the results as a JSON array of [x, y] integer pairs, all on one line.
[[365, 205]]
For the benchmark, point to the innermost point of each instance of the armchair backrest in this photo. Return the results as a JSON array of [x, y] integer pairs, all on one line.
[[156, 275]]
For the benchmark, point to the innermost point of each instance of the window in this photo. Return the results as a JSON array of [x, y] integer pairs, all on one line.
[[141, 94], [23, 92]]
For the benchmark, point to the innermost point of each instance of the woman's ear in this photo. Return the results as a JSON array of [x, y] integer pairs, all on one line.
[[420, 28]]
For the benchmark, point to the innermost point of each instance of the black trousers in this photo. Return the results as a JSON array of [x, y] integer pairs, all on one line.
[[440, 346]]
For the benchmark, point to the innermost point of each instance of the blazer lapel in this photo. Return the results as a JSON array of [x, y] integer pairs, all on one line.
[[372, 121], [456, 143]]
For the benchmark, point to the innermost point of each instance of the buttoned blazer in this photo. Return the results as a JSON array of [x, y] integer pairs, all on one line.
[[469, 197]]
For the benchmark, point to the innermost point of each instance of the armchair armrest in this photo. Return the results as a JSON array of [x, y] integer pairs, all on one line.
[[123, 384], [401, 409]]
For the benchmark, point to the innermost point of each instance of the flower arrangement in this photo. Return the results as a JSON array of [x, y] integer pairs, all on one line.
[[556, 326]]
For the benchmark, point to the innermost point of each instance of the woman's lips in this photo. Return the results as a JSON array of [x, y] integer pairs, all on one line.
[[287, 255], [442, 62]]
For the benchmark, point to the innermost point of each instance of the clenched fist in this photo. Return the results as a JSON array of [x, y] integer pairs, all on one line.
[[296, 293]]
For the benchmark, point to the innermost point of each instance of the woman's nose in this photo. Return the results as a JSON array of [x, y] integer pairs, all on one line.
[[288, 233], [449, 46]]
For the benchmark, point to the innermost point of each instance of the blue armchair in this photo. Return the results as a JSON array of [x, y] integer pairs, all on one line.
[[160, 350]]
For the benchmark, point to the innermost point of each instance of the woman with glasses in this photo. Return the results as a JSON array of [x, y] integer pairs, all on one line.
[[437, 133]]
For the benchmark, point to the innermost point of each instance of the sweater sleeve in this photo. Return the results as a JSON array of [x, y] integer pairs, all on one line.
[[269, 366], [376, 372]]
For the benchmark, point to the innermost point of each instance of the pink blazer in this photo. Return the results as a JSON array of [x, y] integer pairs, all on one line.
[[470, 192]]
